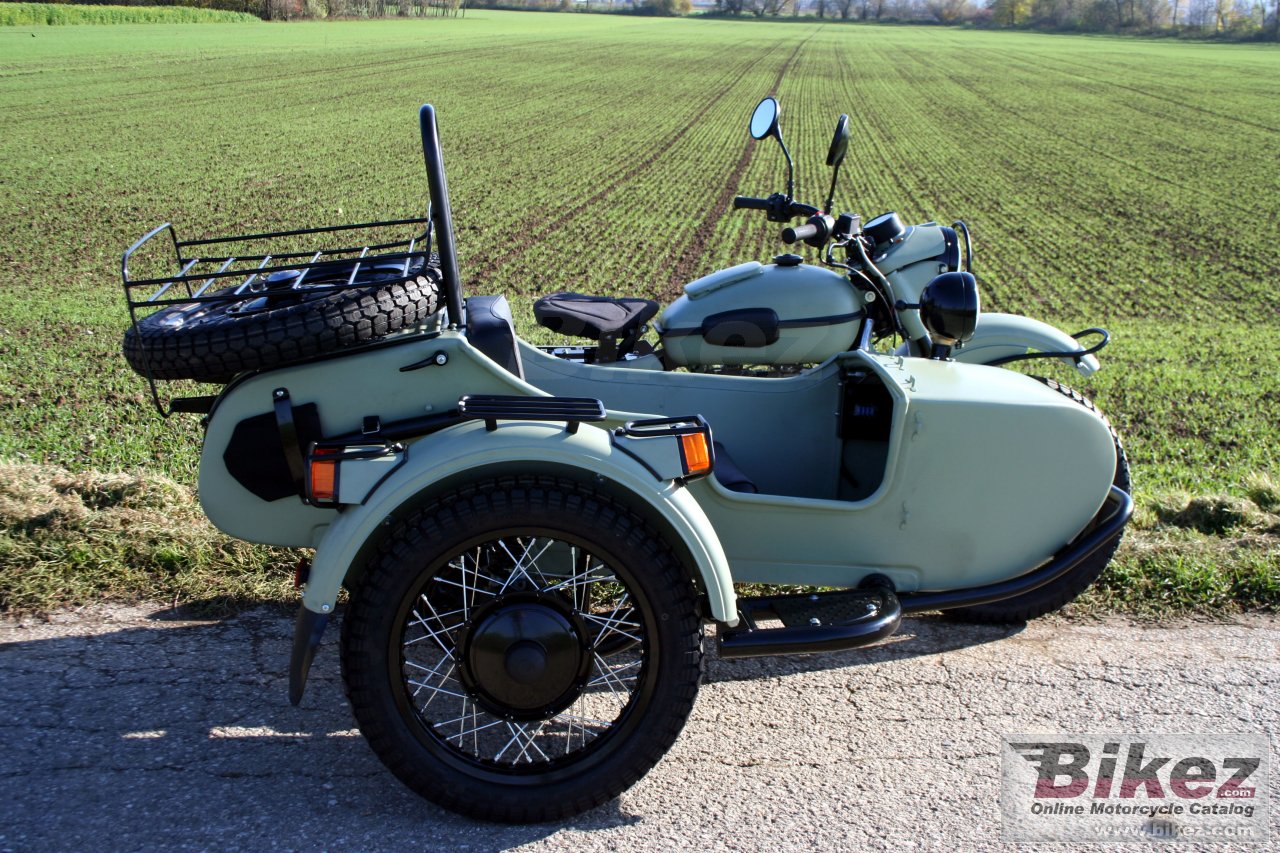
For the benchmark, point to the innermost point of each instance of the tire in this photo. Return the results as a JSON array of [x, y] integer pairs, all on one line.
[[1055, 595], [213, 341], [502, 579]]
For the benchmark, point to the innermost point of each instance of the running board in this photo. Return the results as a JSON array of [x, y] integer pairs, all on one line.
[[812, 623]]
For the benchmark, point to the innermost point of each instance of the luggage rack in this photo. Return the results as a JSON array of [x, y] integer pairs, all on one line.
[[269, 265]]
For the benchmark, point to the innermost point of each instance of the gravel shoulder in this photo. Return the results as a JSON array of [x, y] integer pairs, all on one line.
[[133, 728]]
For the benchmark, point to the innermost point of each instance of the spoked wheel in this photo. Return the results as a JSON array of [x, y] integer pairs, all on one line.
[[524, 651]]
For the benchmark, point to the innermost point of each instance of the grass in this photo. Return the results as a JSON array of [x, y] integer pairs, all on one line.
[[69, 539], [1126, 183], [59, 14]]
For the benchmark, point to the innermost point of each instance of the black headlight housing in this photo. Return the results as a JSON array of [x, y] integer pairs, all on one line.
[[949, 308]]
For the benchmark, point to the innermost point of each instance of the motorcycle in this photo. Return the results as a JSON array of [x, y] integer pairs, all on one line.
[[533, 538]]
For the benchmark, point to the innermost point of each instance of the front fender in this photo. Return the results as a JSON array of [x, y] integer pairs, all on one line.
[[440, 462], [1001, 335]]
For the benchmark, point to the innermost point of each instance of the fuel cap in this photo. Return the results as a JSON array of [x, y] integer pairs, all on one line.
[[788, 260]]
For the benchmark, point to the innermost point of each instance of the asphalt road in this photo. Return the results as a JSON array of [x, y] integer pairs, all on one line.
[[133, 729]]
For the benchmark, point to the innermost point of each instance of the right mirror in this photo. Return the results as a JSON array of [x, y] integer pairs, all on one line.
[[839, 142], [764, 121]]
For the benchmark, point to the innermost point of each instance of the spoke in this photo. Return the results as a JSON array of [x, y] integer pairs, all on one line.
[[610, 626], [433, 671], [520, 735], [462, 731], [582, 721], [519, 562], [422, 685], [472, 589], [609, 678], [583, 579], [422, 623], [465, 592], [475, 572]]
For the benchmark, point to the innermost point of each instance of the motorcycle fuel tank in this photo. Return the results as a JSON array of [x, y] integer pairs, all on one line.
[[762, 314]]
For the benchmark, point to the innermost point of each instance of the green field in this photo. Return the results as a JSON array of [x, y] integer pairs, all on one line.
[[1133, 184]]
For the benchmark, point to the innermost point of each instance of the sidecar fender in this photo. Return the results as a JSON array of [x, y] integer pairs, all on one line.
[[1001, 335], [468, 452]]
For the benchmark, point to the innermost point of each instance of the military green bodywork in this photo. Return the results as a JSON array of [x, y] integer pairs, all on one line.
[[930, 502]]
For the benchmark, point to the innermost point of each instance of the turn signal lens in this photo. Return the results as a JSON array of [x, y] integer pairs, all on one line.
[[697, 457], [324, 478]]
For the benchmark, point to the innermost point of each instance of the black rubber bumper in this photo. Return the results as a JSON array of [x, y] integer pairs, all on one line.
[[1117, 510]]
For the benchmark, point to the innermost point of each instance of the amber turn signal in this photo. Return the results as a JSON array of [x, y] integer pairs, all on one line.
[[695, 453], [324, 476]]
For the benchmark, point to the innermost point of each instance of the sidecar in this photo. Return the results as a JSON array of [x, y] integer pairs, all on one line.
[[533, 543]]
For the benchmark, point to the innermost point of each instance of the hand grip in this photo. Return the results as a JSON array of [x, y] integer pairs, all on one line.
[[750, 203], [798, 233]]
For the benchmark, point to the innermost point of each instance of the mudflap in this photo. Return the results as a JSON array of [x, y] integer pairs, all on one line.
[[308, 628]]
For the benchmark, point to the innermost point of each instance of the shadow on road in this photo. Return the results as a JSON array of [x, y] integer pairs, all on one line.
[[919, 635], [178, 734]]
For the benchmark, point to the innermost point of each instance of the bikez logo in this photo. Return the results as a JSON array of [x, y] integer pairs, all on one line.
[[1135, 787]]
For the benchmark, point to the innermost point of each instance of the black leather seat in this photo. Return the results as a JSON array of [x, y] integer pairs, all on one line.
[[616, 323], [491, 330]]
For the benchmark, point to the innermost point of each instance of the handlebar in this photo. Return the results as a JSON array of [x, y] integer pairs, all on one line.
[[802, 232], [815, 232], [746, 202], [778, 206]]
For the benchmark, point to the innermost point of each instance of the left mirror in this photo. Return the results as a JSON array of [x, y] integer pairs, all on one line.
[[839, 142], [764, 121]]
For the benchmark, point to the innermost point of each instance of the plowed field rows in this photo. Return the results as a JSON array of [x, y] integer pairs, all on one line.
[[1130, 183]]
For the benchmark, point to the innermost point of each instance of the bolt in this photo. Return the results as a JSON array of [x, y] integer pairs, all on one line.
[[442, 359], [815, 621], [324, 607]]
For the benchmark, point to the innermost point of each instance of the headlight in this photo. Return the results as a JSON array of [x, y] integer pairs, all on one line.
[[949, 308]]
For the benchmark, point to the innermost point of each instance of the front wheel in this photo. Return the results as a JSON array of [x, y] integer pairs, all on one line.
[[1055, 595], [522, 650]]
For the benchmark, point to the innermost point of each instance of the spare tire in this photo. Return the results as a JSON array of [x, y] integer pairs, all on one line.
[[213, 341]]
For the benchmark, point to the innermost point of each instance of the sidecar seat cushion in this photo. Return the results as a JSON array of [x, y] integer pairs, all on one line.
[[729, 474], [594, 317], [490, 329]]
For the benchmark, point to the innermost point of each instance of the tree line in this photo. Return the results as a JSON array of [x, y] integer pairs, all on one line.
[[1241, 19]]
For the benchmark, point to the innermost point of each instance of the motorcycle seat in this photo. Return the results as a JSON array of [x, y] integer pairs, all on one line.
[[616, 323], [491, 330], [594, 317]]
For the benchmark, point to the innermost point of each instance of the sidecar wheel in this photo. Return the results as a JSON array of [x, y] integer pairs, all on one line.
[[213, 341], [481, 650], [1065, 589]]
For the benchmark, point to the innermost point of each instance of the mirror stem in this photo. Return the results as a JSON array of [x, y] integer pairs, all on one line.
[[791, 180], [831, 194]]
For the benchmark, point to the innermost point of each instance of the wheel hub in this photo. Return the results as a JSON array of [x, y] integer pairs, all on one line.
[[523, 657]]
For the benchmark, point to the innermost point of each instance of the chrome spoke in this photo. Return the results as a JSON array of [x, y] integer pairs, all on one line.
[[519, 566], [580, 581], [462, 720], [611, 626], [422, 623], [422, 685], [430, 672], [609, 678]]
